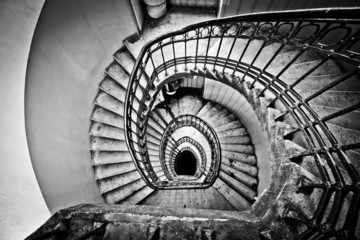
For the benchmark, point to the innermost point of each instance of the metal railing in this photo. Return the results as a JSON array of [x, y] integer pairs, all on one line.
[[176, 149], [332, 34], [209, 168]]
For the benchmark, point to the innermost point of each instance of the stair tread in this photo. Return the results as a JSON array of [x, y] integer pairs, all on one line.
[[117, 73], [125, 59], [134, 44], [238, 201], [113, 182], [105, 116], [138, 196], [240, 188], [241, 157], [109, 170], [335, 99], [107, 131], [121, 193], [241, 177], [110, 103], [108, 144], [239, 166], [109, 157], [110, 86], [349, 120]]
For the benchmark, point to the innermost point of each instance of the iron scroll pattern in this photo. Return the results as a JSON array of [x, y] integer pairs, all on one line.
[[332, 33]]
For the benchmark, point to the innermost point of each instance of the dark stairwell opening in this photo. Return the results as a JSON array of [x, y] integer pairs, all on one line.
[[185, 164]]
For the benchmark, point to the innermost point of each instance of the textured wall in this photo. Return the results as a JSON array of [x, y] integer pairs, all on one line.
[[73, 43], [22, 207]]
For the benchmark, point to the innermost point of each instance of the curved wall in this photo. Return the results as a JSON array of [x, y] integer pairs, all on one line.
[[73, 43], [22, 207]]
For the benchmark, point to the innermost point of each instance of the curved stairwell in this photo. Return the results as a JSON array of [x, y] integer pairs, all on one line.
[[243, 79]]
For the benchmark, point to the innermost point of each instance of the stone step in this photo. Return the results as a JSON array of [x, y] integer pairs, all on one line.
[[241, 140], [284, 57], [133, 44], [211, 113], [109, 157], [240, 45], [109, 170], [153, 146], [137, 196], [247, 149], [335, 99], [320, 81], [155, 125], [155, 115], [110, 103], [349, 120], [107, 144], [243, 178], [208, 198], [127, 62], [113, 88], [236, 200], [166, 116], [233, 132], [239, 166], [190, 104], [297, 70], [240, 188], [344, 135], [102, 130], [233, 124], [240, 157], [117, 73], [196, 82], [123, 192], [151, 131], [107, 117], [111, 183], [153, 139], [223, 117], [205, 109]]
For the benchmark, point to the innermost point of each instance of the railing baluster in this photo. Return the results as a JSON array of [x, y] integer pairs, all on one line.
[[173, 48], [197, 46], [341, 112], [208, 46], [163, 58]]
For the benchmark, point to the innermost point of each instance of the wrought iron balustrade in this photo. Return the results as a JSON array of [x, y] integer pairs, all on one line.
[[332, 34]]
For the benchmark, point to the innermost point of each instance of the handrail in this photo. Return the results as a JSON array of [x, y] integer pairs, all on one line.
[[209, 134], [174, 152], [331, 33]]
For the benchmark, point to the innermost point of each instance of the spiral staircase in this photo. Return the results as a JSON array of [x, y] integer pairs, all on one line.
[[176, 120]]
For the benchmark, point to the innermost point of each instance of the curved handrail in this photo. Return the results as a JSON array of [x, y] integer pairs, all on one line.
[[314, 30]]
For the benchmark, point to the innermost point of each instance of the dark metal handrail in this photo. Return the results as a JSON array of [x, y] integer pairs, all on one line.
[[209, 134], [175, 151], [333, 34]]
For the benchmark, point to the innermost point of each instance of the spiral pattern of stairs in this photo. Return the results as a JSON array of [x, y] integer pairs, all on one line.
[[214, 97], [119, 181]]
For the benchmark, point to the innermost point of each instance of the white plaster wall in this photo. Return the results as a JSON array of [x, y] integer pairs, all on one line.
[[73, 44], [22, 207]]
